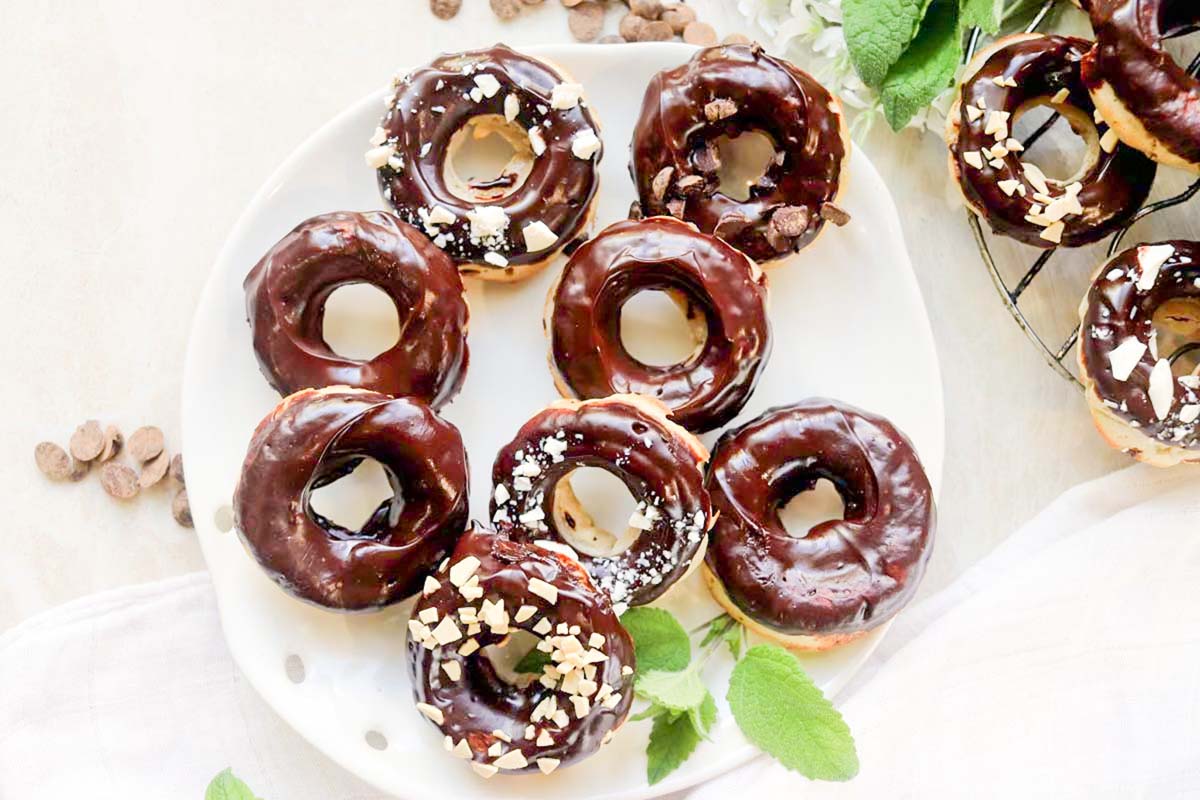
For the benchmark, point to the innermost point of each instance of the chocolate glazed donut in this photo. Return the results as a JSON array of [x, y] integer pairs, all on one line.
[[507, 228], [845, 576], [287, 290], [463, 625], [630, 437], [1014, 197], [1150, 101], [315, 437], [721, 291], [1142, 306], [732, 90]]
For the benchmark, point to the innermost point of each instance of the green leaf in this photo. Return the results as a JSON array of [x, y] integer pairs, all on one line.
[[985, 14], [659, 641], [878, 32], [671, 742], [227, 786], [676, 691], [532, 662], [704, 715], [926, 68], [784, 714], [728, 629]]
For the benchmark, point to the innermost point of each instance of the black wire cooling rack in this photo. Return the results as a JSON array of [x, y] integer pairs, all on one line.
[[1056, 355]]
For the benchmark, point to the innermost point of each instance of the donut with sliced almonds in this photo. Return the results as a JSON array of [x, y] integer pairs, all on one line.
[[1004, 187], [1143, 306], [489, 611]]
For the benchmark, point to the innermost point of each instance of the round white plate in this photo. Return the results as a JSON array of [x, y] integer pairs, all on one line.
[[849, 323]]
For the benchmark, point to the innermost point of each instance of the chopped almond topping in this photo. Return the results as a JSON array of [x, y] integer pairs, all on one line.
[[433, 713]]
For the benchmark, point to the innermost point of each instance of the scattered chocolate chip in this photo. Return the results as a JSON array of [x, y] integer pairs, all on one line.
[[730, 225], [145, 443], [635, 210], [154, 470], [53, 461], [650, 9], [656, 31], [719, 109], [737, 38], [631, 26], [113, 441], [700, 33], [180, 510], [675, 207], [532, 2], [571, 3], [445, 9], [586, 20], [678, 16], [79, 469], [834, 214], [661, 182], [176, 469], [88, 441], [707, 158], [790, 221], [119, 481], [689, 184], [506, 9]]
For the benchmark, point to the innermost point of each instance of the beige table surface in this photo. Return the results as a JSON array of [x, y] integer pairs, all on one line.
[[134, 133]]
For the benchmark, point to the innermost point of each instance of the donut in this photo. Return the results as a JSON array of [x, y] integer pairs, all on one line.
[[1151, 102], [509, 227], [722, 292], [1142, 306], [1015, 197], [728, 91], [476, 619], [316, 436], [846, 576], [631, 437], [287, 290]]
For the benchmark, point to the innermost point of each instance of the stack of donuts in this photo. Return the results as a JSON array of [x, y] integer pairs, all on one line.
[[1135, 108], [540, 566]]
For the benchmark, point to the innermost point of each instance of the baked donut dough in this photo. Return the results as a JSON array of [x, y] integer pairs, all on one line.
[[1142, 306], [845, 576], [1012, 195], [1149, 100], [731, 90], [463, 645], [509, 227]]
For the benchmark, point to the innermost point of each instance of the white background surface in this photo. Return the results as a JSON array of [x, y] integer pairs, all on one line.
[[134, 135]]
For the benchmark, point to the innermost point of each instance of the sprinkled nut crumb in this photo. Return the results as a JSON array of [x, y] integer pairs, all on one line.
[[791, 221], [433, 713], [720, 109], [544, 590], [834, 214], [661, 182], [689, 184]]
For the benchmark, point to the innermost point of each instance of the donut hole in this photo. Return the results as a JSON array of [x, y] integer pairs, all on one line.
[[589, 504], [1177, 333], [360, 321], [1061, 140], [661, 328], [745, 159], [487, 159], [807, 509], [350, 500], [515, 658]]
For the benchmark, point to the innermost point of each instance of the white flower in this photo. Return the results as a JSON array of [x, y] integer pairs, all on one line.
[[830, 42]]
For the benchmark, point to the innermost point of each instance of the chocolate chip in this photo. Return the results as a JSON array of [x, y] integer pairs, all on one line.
[[791, 221], [719, 109], [88, 441], [675, 208], [180, 510], [834, 214], [113, 441], [689, 184], [678, 16], [631, 26], [635, 210], [571, 3], [119, 481], [176, 469], [650, 9], [707, 159], [145, 443], [154, 470], [532, 2], [505, 9], [585, 20], [53, 461], [737, 38], [611, 38], [661, 182], [445, 9], [700, 33], [656, 31], [730, 224]]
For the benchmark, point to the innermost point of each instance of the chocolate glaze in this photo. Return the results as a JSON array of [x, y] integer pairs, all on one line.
[[287, 290], [1129, 57], [480, 702], [772, 96], [846, 575], [656, 461], [315, 437], [1116, 310], [559, 189], [719, 283], [1114, 187]]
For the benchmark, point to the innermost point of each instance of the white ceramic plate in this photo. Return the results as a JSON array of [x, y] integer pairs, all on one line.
[[849, 323]]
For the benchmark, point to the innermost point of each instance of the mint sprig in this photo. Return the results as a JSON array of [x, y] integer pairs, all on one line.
[[227, 786], [878, 32], [660, 642], [926, 68]]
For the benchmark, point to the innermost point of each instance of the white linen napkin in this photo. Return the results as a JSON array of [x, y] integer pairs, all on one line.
[[1066, 664]]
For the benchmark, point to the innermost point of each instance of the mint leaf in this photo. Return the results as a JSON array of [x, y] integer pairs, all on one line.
[[532, 662], [227, 786], [784, 714], [729, 630], [878, 32], [659, 641], [984, 14], [675, 691], [926, 68], [671, 742], [704, 715]]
